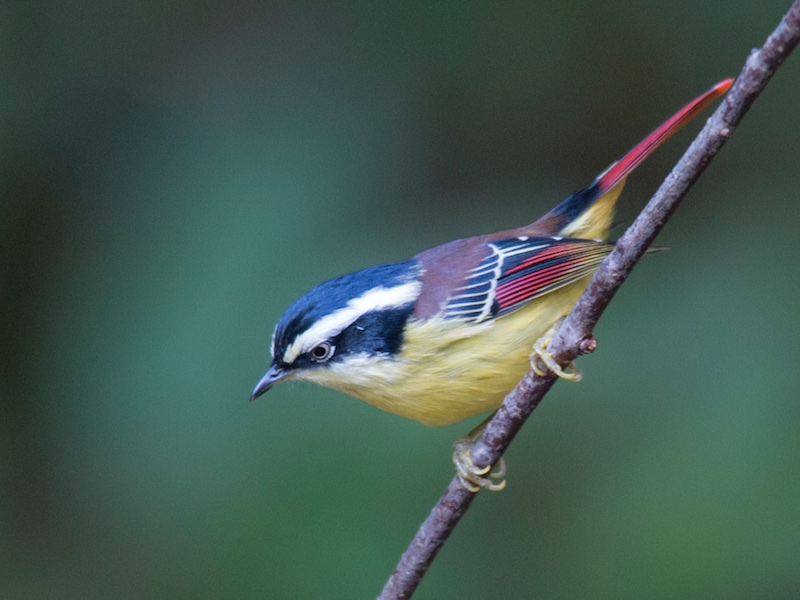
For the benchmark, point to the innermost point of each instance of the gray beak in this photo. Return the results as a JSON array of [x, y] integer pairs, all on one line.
[[273, 376]]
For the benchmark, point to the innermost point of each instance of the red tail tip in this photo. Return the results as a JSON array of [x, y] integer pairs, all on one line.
[[723, 86], [642, 150]]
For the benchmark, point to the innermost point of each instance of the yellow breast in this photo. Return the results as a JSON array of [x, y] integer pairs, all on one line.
[[448, 370]]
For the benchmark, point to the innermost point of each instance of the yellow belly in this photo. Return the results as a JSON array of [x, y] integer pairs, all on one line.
[[448, 371]]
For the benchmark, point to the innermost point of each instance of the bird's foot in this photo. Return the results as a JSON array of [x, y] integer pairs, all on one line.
[[472, 477], [542, 361]]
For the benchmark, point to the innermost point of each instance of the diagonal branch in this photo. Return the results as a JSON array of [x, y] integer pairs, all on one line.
[[574, 335]]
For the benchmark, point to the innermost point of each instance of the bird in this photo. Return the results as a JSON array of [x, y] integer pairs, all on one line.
[[447, 334]]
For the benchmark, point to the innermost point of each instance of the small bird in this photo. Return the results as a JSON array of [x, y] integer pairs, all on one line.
[[447, 334]]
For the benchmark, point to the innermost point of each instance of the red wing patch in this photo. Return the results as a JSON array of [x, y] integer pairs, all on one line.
[[518, 270]]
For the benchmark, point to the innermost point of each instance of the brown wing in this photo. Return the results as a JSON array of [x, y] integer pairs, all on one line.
[[511, 273]]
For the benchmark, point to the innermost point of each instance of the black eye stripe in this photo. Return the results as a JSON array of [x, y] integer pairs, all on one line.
[[334, 295]]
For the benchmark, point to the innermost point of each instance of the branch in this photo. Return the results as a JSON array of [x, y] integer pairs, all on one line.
[[574, 336]]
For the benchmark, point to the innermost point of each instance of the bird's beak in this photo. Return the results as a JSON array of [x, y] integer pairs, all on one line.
[[273, 376]]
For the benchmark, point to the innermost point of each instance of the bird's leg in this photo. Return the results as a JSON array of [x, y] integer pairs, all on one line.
[[472, 477], [542, 360]]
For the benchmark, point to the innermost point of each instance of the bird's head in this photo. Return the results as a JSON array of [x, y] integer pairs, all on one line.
[[343, 322]]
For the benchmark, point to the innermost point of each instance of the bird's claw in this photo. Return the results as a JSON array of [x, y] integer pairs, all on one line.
[[472, 477], [542, 361]]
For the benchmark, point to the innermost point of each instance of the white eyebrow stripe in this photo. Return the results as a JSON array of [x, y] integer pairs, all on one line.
[[378, 298]]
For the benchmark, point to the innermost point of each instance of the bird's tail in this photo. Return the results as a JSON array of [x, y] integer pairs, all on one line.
[[588, 213]]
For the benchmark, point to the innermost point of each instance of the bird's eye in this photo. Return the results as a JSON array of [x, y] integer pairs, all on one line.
[[322, 352]]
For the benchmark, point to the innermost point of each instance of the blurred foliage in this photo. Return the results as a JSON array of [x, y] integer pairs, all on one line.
[[175, 174]]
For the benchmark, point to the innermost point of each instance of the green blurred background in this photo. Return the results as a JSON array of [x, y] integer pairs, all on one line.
[[175, 174]]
